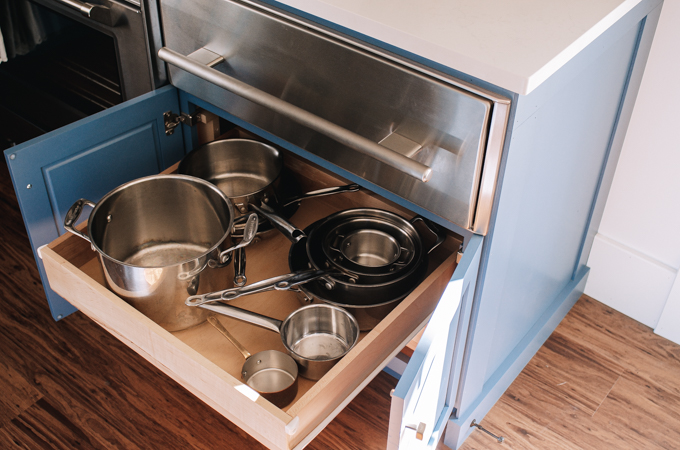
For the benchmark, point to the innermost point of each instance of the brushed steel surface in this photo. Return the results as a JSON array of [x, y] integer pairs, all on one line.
[[271, 373], [135, 29], [156, 238], [301, 116], [365, 92]]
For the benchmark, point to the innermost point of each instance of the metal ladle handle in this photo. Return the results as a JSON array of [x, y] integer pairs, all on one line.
[[268, 323], [216, 323]]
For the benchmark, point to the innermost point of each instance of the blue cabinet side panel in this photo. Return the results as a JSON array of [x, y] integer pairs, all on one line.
[[87, 159], [551, 179]]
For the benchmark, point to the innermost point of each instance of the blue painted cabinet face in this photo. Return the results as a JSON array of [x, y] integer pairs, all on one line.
[[87, 159], [427, 392]]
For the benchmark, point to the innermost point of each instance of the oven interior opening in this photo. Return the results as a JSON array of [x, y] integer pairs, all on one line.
[[71, 74]]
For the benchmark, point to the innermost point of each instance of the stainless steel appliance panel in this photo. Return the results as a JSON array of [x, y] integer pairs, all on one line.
[[428, 120]]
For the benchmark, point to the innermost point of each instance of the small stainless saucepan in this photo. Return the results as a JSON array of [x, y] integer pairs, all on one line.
[[271, 373], [250, 172], [315, 336]]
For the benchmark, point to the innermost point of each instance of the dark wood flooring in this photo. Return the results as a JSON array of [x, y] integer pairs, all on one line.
[[601, 381]]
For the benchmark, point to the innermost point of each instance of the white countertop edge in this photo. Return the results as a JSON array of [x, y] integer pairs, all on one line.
[[521, 83], [533, 81]]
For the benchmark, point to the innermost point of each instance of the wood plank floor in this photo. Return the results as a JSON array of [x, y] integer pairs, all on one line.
[[601, 381]]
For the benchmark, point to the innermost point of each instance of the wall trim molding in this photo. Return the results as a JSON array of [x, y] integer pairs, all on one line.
[[629, 281]]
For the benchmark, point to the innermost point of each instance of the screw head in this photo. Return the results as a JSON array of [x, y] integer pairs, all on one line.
[[29, 186], [13, 156]]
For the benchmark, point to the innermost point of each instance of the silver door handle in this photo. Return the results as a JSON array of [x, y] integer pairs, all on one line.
[[98, 13], [200, 64]]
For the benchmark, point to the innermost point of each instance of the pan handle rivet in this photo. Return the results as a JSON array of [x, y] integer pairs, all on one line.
[[259, 361]]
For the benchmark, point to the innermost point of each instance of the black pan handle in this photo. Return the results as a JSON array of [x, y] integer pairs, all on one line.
[[433, 228], [293, 233]]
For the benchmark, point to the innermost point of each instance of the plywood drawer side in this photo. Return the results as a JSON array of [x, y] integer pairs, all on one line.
[[190, 369]]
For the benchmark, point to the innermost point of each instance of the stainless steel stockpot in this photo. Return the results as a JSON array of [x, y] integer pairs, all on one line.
[[159, 239]]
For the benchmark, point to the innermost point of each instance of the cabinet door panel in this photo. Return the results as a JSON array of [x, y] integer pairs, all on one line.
[[87, 159], [425, 395]]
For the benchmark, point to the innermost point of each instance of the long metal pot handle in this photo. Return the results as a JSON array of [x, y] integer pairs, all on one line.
[[98, 13], [293, 233], [316, 123], [72, 216], [322, 192], [246, 316], [280, 283]]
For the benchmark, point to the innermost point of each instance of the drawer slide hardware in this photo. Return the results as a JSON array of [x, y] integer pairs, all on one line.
[[172, 120], [500, 439]]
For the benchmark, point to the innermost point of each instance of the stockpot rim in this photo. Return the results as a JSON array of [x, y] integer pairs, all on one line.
[[149, 178]]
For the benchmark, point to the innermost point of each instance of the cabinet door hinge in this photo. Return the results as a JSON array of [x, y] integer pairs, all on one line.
[[172, 120]]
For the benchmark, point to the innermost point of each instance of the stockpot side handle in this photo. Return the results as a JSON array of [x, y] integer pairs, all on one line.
[[437, 232], [72, 216], [194, 64], [268, 323], [249, 233]]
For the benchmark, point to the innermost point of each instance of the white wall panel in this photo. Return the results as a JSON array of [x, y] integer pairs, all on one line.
[[669, 323], [636, 254], [629, 281]]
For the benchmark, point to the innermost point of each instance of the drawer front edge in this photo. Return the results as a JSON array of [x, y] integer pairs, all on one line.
[[191, 370]]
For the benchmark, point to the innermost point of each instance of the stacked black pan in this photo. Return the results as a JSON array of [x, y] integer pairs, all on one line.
[[364, 260]]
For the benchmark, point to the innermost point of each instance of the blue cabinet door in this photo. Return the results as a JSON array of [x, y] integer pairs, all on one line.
[[426, 393], [87, 159]]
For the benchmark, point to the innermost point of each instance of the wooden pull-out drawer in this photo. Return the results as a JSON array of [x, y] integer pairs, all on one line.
[[206, 364]]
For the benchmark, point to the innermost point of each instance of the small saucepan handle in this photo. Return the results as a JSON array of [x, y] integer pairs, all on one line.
[[246, 316]]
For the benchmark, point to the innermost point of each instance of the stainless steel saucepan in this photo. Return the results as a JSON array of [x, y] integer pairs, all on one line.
[[315, 336], [271, 373], [249, 172]]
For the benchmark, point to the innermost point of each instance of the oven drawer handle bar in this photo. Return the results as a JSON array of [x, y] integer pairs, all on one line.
[[98, 13], [316, 123]]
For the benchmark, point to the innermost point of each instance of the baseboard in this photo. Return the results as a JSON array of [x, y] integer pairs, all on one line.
[[628, 281]]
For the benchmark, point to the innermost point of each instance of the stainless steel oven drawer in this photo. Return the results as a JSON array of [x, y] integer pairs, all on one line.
[[412, 118]]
